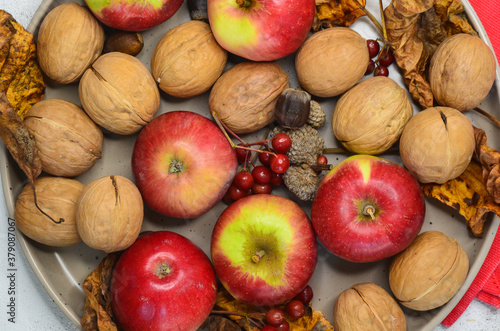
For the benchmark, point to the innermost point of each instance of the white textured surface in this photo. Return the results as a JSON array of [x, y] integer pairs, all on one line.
[[36, 311]]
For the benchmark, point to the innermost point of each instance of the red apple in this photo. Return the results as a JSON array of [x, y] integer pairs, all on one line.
[[133, 15], [163, 282], [367, 209], [183, 164], [261, 30], [264, 249]]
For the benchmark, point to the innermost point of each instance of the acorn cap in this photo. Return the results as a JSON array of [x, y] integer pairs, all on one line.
[[302, 181], [317, 115]]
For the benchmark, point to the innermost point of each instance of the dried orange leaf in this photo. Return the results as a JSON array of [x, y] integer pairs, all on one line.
[[414, 29], [97, 314], [18, 141], [337, 13], [468, 195], [489, 159], [313, 320], [20, 76]]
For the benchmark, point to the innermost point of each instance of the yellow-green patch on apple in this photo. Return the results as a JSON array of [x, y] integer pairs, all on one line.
[[264, 249]]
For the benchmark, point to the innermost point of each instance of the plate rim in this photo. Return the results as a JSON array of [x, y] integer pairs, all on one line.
[[433, 322]]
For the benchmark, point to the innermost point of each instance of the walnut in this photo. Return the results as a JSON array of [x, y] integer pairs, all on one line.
[[331, 61], [188, 60], [367, 306], [119, 93], [244, 97], [429, 272], [109, 213], [69, 39], [462, 71], [370, 117], [57, 197], [69, 142]]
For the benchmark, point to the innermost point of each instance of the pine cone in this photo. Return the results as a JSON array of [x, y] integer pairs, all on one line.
[[317, 115], [302, 181], [307, 144]]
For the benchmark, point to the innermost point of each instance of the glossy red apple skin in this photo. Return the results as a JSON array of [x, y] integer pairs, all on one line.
[[269, 223], [144, 299], [266, 31], [207, 165], [336, 213], [133, 15]]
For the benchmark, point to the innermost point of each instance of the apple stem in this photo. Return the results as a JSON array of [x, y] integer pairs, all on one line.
[[258, 256], [369, 210], [244, 3], [163, 270], [175, 167]]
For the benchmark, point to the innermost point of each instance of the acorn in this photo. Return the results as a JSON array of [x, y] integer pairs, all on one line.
[[198, 10], [292, 108], [125, 42]]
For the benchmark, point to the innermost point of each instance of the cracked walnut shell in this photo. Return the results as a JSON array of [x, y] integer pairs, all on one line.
[[429, 272], [68, 141], [109, 213], [119, 93]]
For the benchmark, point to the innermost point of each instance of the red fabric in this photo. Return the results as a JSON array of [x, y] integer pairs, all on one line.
[[486, 285], [488, 12]]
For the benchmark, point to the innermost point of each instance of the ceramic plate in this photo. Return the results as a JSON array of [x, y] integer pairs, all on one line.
[[62, 271]]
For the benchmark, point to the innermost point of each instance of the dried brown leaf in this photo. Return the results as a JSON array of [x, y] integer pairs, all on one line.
[[468, 195], [337, 13], [98, 314], [219, 323], [18, 140], [414, 30], [489, 159], [20, 76]]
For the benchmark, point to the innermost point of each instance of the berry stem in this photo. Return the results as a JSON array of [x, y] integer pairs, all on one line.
[[321, 167], [340, 150], [384, 30], [266, 134], [225, 130], [487, 115], [371, 17]]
